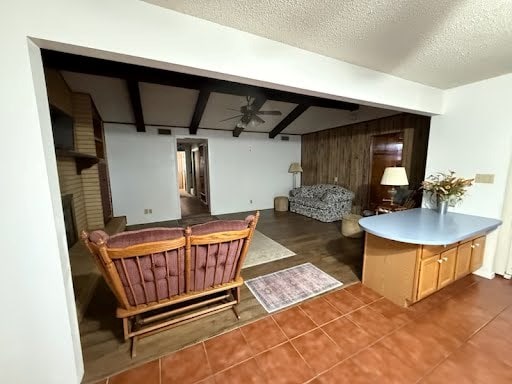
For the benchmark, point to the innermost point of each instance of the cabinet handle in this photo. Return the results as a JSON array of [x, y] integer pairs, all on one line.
[[477, 244], [473, 246], [445, 258], [440, 261]]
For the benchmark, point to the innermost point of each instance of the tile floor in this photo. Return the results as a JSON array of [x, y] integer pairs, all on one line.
[[461, 334]]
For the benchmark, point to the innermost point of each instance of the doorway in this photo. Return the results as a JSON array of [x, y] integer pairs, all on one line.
[[386, 151], [193, 177]]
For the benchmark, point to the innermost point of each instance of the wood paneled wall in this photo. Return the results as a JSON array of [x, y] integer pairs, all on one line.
[[344, 152]]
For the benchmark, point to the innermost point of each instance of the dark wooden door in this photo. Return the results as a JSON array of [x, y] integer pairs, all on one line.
[[386, 151]]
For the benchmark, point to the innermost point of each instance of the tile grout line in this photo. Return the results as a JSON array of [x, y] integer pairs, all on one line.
[[465, 342], [361, 350], [253, 356], [207, 360]]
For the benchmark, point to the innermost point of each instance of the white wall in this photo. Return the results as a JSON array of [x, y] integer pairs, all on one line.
[[38, 325], [143, 171], [474, 135]]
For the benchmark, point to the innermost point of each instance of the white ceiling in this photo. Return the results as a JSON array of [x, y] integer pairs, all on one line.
[[436, 42], [174, 107]]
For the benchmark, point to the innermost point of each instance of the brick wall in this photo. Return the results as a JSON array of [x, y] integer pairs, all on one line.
[[85, 188], [84, 141]]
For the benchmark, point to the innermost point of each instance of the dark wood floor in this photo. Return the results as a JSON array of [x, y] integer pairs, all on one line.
[[104, 351], [191, 205]]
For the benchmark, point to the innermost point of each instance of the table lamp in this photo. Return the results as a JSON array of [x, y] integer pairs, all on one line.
[[295, 168], [394, 176]]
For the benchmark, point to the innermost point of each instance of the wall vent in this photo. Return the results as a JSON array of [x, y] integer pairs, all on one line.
[[285, 138], [164, 131]]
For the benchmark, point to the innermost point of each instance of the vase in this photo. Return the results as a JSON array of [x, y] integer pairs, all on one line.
[[442, 207]]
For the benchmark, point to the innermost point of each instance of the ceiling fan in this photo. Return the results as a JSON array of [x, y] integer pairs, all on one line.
[[248, 113]]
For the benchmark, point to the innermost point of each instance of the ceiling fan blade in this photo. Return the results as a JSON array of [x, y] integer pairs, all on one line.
[[269, 113], [233, 109], [258, 119], [231, 118]]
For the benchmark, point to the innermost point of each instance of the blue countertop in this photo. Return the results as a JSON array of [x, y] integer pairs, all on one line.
[[426, 226]]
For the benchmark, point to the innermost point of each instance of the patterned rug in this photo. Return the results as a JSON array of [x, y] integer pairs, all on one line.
[[264, 250], [290, 286]]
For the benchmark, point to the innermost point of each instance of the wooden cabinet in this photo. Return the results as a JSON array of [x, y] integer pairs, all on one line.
[[462, 267], [406, 273], [428, 276], [447, 261], [477, 253]]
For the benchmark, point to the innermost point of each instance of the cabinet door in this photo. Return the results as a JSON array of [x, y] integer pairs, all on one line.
[[477, 254], [463, 260], [447, 267], [428, 276]]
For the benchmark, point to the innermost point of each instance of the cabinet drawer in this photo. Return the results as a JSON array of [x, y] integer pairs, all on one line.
[[431, 250]]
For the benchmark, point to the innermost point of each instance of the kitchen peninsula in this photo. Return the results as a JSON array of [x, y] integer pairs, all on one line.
[[411, 254]]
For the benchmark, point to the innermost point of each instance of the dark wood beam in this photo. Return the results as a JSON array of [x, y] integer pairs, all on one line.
[[297, 111], [202, 100], [133, 90], [100, 67], [256, 105]]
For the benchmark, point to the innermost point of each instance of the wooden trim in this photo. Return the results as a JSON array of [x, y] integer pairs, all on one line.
[[101, 67], [138, 114], [186, 126], [290, 118], [219, 237], [243, 254], [142, 308], [146, 248], [202, 101]]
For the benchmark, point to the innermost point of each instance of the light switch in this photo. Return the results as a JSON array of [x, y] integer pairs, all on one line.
[[484, 178]]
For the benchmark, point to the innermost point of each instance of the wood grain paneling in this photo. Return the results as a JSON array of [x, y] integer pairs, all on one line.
[[344, 152]]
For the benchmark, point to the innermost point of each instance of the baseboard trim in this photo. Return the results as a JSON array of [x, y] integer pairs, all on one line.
[[485, 274]]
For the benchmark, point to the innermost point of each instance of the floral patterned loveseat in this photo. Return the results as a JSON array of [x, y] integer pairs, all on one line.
[[324, 202]]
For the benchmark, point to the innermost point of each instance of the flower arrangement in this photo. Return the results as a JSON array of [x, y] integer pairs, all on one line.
[[447, 187]]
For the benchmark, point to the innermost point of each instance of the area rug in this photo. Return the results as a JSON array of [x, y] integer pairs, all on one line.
[[264, 250], [290, 286]]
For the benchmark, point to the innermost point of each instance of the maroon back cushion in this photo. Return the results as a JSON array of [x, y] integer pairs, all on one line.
[[161, 275], [215, 263]]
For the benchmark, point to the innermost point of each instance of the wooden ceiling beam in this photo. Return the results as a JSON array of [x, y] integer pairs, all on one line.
[[202, 100], [134, 92], [255, 107], [100, 67], [297, 111]]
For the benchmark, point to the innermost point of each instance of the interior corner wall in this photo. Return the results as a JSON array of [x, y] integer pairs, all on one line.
[[473, 136], [245, 173]]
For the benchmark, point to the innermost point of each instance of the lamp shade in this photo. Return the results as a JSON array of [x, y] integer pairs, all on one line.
[[394, 176], [294, 167]]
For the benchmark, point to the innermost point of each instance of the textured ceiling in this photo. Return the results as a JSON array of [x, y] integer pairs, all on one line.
[[174, 107], [443, 43]]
